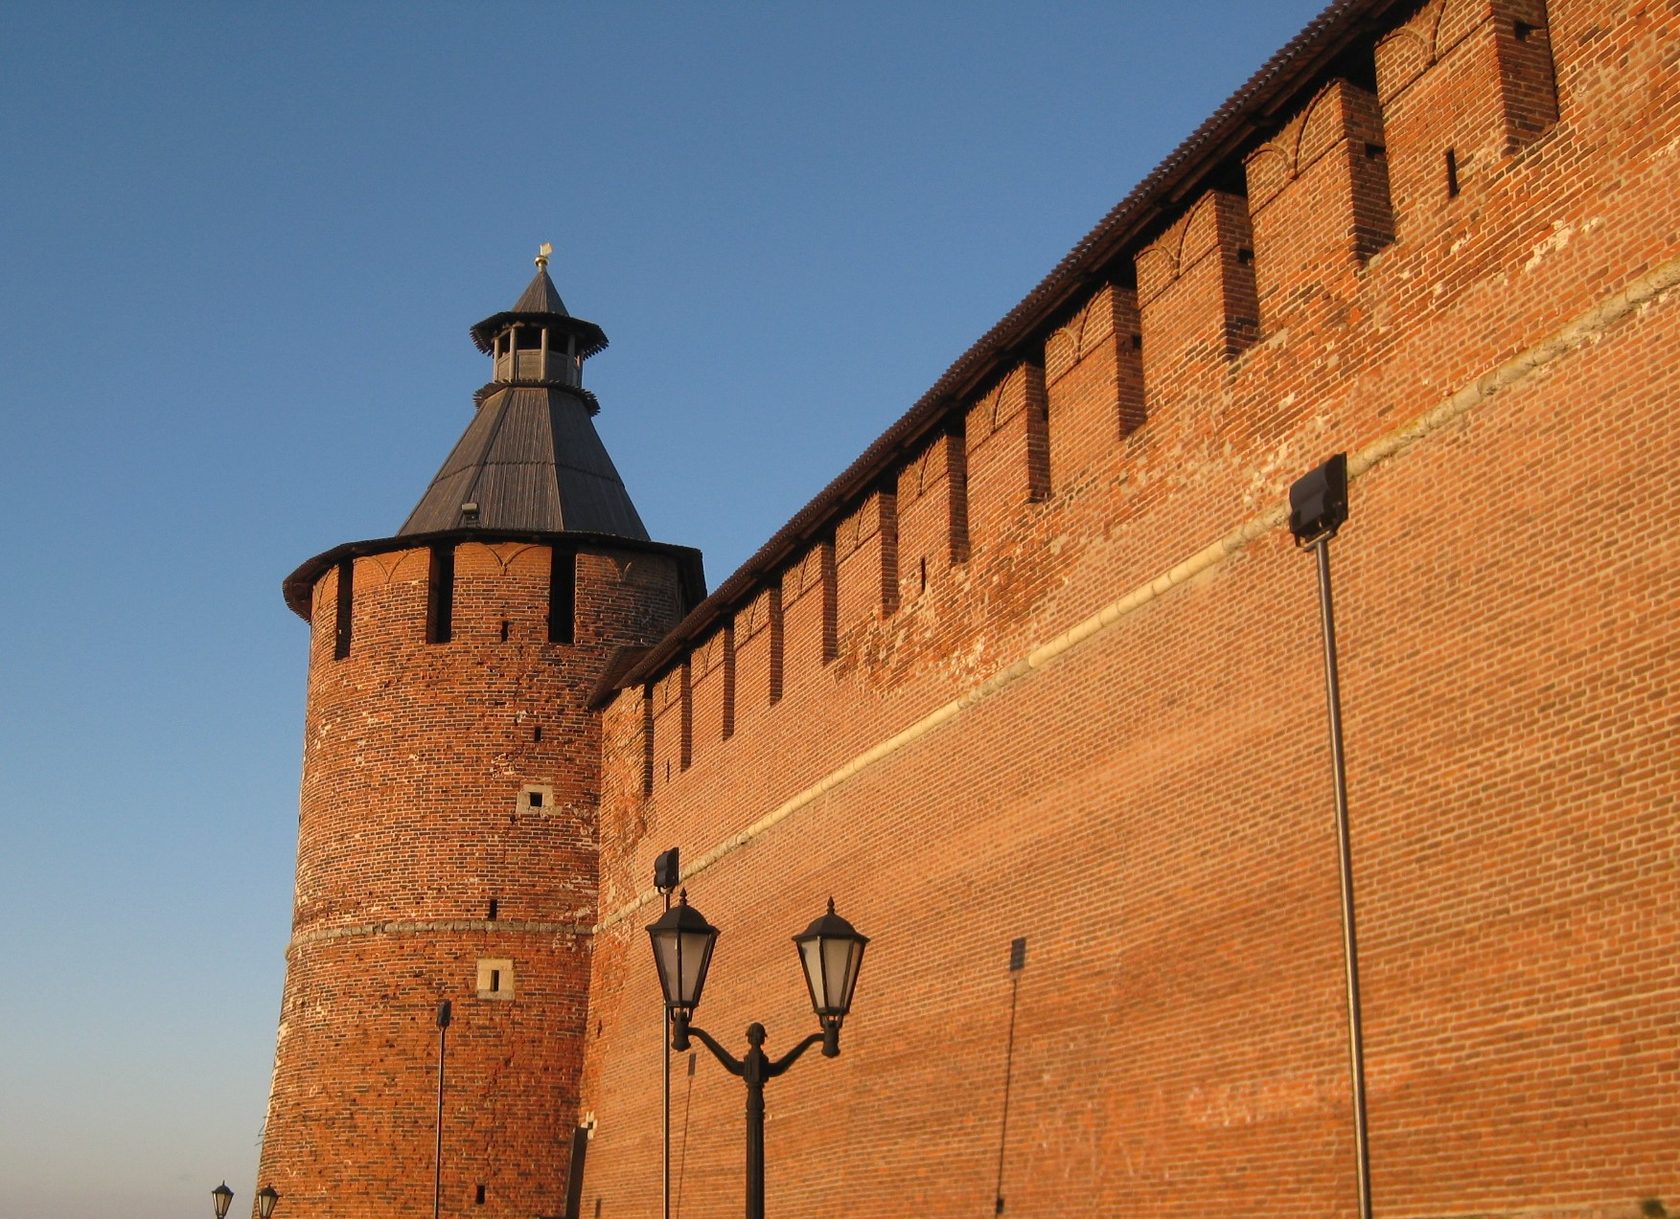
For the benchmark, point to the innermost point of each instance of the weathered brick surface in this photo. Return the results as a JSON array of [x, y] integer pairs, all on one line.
[[898, 717], [1151, 809], [410, 825]]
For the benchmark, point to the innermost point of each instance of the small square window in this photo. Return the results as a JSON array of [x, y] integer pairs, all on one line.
[[495, 978], [535, 798]]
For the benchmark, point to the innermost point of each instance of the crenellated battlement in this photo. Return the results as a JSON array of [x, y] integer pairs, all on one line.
[[1295, 313], [1034, 689]]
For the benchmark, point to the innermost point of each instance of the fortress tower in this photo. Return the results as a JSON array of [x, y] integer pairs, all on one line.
[[447, 838]]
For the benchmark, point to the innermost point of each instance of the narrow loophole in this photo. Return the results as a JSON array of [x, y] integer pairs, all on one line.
[[1452, 174], [478, 1196], [924, 575], [536, 733], [492, 915], [505, 625]]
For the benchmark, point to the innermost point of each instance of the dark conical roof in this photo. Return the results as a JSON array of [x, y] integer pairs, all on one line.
[[540, 296], [540, 304], [530, 461]]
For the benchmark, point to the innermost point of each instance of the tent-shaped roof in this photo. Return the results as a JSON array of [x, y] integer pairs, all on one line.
[[529, 460]]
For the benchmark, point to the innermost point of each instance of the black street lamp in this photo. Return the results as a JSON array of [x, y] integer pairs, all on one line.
[[830, 951], [222, 1197], [1318, 507]]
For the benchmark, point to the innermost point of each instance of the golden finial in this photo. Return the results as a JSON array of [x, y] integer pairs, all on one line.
[[543, 251]]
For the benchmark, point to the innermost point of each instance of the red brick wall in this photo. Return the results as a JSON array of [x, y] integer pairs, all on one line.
[[1318, 194], [410, 824], [1196, 295], [1150, 806], [1093, 372]]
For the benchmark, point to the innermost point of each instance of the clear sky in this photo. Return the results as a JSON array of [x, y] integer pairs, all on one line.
[[240, 247]]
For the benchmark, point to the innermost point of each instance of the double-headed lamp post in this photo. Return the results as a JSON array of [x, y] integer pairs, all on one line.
[[830, 951], [222, 1197]]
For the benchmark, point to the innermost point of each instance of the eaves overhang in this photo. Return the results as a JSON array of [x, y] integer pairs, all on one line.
[[1255, 108], [298, 586]]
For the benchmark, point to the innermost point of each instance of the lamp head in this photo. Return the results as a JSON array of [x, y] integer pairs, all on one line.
[[831, 951], [266, 1198], [682, 952], [221, 1198], [665, 871], [1318, 502]]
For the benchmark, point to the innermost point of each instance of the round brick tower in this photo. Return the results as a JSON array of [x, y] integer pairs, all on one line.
[[447, 820]]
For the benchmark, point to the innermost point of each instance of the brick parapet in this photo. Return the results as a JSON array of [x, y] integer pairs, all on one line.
[[1165, 767], [1380, 348]]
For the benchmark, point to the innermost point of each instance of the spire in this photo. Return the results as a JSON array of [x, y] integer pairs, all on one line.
[[540, 295], [540, 305], [531, 460]]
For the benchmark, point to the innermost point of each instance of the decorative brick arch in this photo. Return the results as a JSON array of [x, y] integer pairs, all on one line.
[[1198, 232], [1455, 20], [1321, 127], [1270, 169]]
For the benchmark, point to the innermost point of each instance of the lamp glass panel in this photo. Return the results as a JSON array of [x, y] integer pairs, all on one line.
[[811, 957], [665, 956], [694, 948], [840, 968]]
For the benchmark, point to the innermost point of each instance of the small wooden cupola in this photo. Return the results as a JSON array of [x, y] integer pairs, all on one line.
[[537, 342]]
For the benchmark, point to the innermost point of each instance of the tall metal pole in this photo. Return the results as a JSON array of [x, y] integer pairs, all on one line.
[[666, 872], [754, 1075], [443, 1013], [665, 1110], [1350, 948]]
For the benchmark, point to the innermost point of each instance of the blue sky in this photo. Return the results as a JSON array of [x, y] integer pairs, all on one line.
[[240, 247]]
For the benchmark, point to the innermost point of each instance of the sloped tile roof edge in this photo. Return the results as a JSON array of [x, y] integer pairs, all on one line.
[[1248, 110]]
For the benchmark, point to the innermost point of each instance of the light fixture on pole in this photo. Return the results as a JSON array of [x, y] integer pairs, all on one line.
[[266, 1198], [1318, 507], [444, 1011], [830, 952], [666, 872], [682, 952], [221, 1198]]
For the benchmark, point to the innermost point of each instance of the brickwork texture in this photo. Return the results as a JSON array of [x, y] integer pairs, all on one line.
[[1055, 676]]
